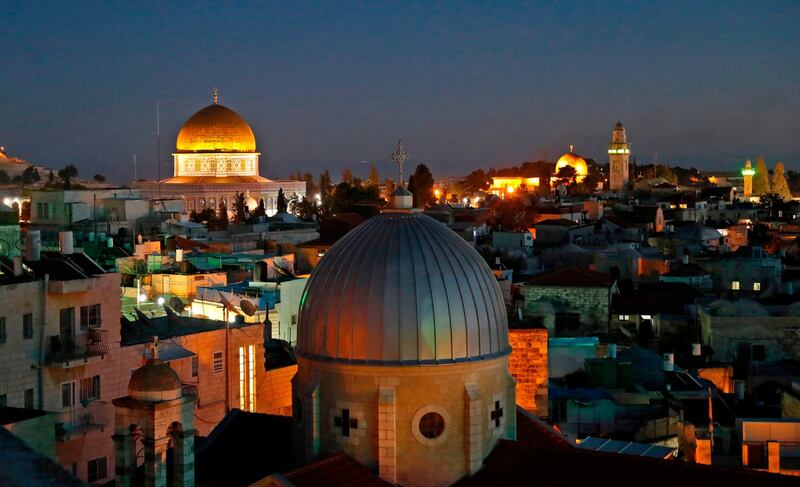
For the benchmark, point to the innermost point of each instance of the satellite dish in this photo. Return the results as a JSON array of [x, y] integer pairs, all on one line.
[[176, 304], [248, 307]]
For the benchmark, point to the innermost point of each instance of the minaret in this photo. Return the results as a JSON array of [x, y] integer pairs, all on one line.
[[747, 175], [619, 152]]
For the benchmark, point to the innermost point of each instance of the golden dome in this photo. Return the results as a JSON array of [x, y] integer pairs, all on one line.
[[216, 128], [574, 160]]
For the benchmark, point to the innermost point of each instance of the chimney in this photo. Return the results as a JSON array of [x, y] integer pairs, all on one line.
[[17, 265], [33, 245], [668, 362], [65, 242]]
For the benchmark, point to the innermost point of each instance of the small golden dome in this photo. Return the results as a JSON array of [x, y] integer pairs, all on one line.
[[574, 160], [216, 128]]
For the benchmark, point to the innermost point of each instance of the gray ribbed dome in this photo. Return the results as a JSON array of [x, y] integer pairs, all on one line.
[[402, 288]]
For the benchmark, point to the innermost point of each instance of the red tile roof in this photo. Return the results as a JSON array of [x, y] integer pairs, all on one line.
[[336, 470], [572, 277]]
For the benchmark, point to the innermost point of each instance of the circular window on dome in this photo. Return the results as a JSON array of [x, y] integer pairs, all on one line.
[[431, 425]]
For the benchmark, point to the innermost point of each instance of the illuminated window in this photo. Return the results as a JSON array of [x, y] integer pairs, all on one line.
[[241, 379], [624, 317], [431, 425], [247, 378], [683, 206], [735, 285], [756, 286], [647, 317], [251, 372]]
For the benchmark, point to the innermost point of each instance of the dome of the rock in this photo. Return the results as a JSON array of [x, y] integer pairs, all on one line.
[[216, 128]]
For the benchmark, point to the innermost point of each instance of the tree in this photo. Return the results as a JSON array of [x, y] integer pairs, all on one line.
[[779, 184], [666, 173], [239, 215], [281, 204], [305, 209], [222, 216], [347, 176], [51, 178], [325, 204], [25, 212], [67, 174], [260, 211], [99, 178], [793, 178], [311, 188], [4, 178], [390, 186], [475, 181], [206, 217], [591, 180], [761, 178], [566, 176], [420, 184], [31, 175], [348, 198], [512, 215], [374, 179]]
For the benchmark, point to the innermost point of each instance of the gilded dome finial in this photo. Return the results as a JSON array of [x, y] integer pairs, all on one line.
[[570, 148], [216, 96]]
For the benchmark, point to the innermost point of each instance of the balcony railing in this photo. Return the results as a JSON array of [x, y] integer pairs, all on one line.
[[81, 419], [63, 349]]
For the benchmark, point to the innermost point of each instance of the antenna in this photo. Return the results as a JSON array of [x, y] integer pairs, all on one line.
[[158, 143], [135, 175]]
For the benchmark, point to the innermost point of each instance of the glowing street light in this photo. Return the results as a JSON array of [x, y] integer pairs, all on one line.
[[160, 301]]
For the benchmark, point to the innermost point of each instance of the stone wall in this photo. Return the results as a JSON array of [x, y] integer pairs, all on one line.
[[366, 391], [276, 392], [529, 366], [591, 303]]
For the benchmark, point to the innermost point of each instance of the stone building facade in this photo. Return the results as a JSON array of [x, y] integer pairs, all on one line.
[[579, 300], [59, 352]]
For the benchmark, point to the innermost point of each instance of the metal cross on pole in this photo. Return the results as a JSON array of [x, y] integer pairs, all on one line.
[[399, 156]]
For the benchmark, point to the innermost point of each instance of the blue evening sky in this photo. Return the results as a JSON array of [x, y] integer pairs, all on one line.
[[466, 84]]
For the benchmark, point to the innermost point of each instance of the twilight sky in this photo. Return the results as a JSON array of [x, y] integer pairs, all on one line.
[[466, 84]]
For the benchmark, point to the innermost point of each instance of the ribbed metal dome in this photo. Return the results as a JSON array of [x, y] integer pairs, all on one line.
[[402, 288]]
